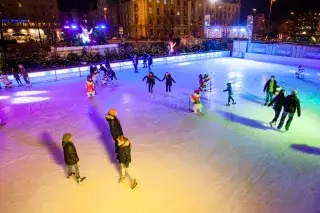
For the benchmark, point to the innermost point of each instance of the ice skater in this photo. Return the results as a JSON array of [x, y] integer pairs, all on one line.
[[205, 82], [195, 100], [16, 75], [145, 59], [291, 105], [150, 62], [95, 75], [278, 102], [103, 69], [300, 72], [230, 94], [151, 82], [90, 87], [24, 74], [169, 81], [124, 159], [115, 126], [112, 74], [135, 61], [71, 157], [270, 88]]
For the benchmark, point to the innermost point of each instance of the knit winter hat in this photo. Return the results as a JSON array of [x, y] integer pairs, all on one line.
[[112, 112]]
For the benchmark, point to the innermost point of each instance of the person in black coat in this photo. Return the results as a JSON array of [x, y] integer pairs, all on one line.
[[124, 158], [145, 58], [103, 69], [270, 88], [278, 102], [150, 62], [151, 81], [70, 156], [291, 105], [15, 73], [115, 126], [169, 81]]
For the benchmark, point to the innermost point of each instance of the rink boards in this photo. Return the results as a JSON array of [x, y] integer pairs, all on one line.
[[82, 71]]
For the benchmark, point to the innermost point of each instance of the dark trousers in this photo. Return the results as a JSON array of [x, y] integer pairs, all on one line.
[[135, 67], [18, 80], [149, 66], [283, 118], [145, 64], [276, 115], [230, 98], [113, 76], [26, 79], [150, 88], [168, 87]]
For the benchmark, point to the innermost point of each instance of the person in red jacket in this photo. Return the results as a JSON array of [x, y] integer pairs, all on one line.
[[90, 88]]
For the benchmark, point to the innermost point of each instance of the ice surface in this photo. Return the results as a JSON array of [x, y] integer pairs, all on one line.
[[229, 160]]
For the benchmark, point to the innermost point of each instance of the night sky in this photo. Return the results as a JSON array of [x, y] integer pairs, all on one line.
[[281, 8]]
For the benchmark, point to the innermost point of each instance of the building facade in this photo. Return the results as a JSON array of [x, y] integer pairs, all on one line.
[[168, 18], [24, 20], [308, 23]]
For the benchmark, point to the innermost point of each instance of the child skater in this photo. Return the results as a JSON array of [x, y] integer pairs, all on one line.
[[278, 104], [71, 157], [299, 72], [230, 94], [90, 88], [15, 73], [124, 159], [151, 82], [24, 74], [169, 81], [195, 100], [200, 81]]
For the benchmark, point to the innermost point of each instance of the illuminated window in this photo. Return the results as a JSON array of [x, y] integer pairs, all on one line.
[[158, 1], [20, 4], [164, 1], [178, 13]]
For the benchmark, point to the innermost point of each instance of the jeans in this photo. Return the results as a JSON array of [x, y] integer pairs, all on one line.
[[230, 98], [283, 117], [76, 167], [124, 171], [168, 88], [276, 116], [269, 96], [150, 88], [18, 80]]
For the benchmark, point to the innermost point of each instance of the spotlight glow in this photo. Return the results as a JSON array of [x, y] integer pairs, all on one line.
[[29, 93], [4, 97], [26, 100]]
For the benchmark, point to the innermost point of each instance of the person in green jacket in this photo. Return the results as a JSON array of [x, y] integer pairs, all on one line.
[[71, 157]]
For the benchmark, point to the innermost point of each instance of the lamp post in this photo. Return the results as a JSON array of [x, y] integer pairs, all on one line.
[[269, 19]]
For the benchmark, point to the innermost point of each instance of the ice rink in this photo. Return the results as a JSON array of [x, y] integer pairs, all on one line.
[[228, 161]]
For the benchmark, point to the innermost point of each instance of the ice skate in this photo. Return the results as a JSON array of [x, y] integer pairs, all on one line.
[[134, 184], [70, 175], [271, 124], [121, 179], [227, 104], [234, 103], [81, 179], [265, 104]]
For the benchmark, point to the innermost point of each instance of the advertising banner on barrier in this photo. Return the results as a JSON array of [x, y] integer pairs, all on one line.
[[283, 51], [258, 48], [312, 53]]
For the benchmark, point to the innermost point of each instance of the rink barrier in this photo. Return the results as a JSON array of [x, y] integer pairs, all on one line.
[[83, 71]]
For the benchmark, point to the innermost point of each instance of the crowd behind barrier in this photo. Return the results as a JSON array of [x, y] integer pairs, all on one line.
[[83, 71]]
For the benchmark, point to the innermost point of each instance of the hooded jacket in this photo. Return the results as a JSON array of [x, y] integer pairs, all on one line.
[[115, 126], [70, 153], [292, 104], [278, 102], [124, 153]]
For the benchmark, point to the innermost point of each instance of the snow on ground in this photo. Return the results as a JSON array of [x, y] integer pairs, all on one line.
[[229, 160]]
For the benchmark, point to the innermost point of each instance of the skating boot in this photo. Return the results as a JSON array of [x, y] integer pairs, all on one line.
[[121, 179], [70, 175], [234, 103], [134, 183], [271, 124], [227, 104], [265, 104], [81, 179]]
